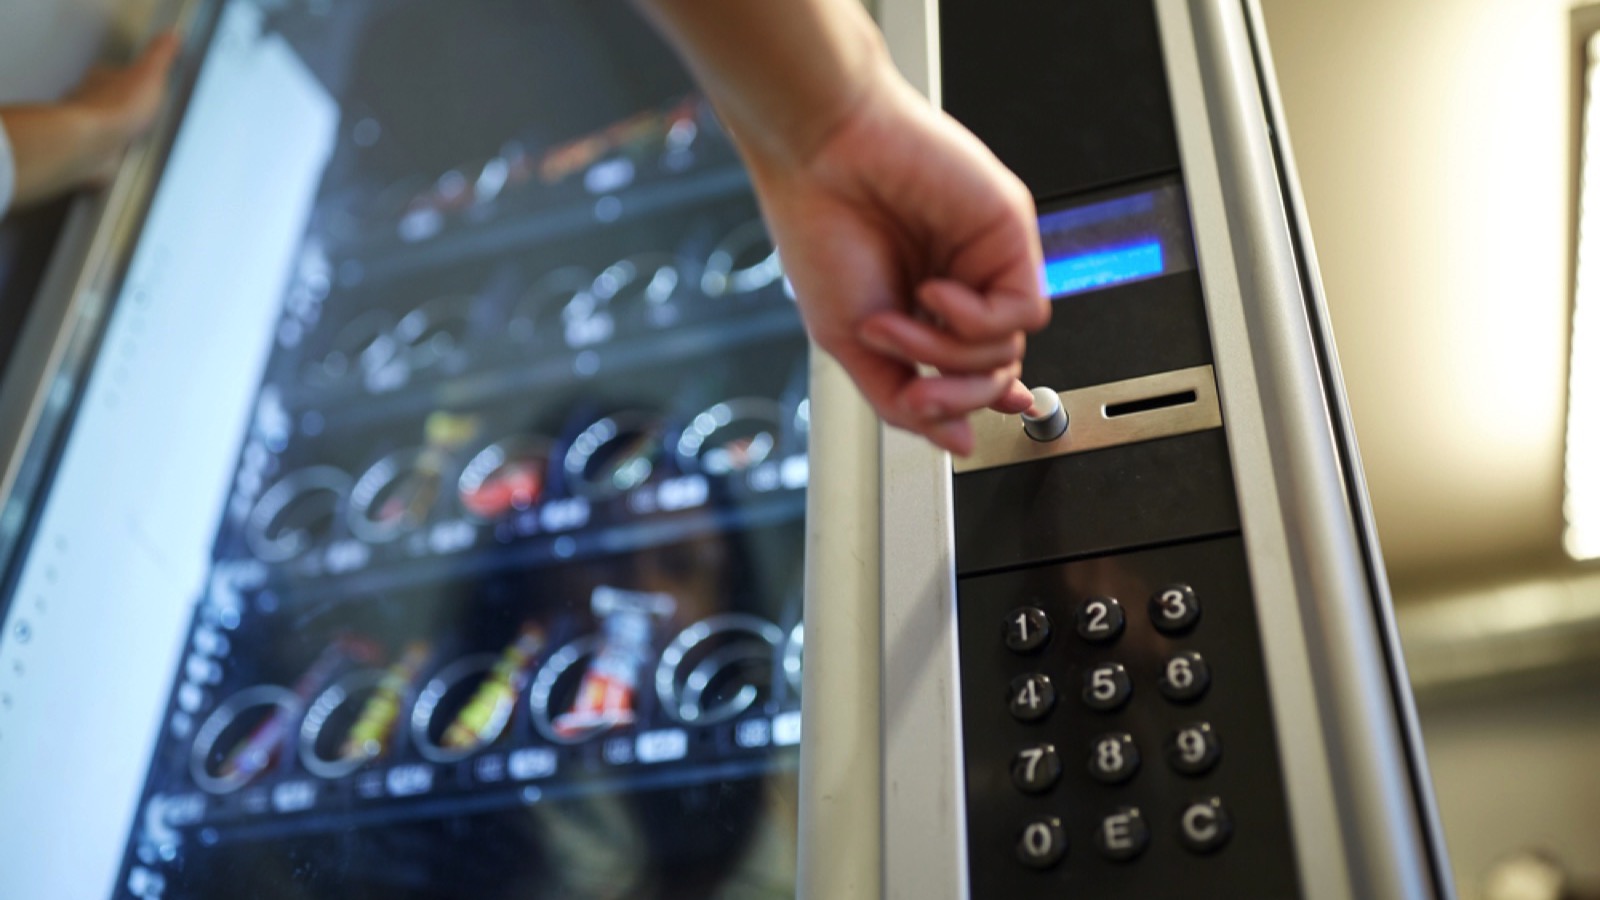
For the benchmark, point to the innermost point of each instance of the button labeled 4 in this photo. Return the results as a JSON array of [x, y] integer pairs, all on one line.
[[1032, 697]]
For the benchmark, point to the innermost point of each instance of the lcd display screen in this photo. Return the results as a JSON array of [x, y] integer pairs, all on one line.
[[431, 521], [1115, 239]]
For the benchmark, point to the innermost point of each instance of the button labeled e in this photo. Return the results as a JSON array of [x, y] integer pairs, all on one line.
[[1123, 834]]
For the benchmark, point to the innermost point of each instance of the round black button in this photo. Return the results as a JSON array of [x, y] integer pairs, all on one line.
[[1027, 629], [1106, 687], [1123, 834], [1100, 619], [1194, 749], [1043, 843], [1204, 825], [1036, 769], [1032, 697], [1174, 609], [1185, 677], [1113, 758]]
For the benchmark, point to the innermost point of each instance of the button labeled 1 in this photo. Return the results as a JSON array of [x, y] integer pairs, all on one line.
[[1027, 629]]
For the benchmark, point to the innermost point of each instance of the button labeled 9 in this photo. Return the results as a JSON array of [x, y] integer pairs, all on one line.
[[1194, 749]]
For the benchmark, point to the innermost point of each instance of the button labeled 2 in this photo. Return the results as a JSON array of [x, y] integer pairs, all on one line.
[[1100, 619]]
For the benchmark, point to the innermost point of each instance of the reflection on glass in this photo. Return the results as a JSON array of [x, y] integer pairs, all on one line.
[[503, 599]]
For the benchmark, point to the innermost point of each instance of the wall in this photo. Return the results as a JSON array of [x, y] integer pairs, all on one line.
[[1433, 141], [46, 44], [1432, 137]]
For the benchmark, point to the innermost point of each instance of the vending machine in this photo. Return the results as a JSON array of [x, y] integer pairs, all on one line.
[[418, 486], [1141, 646]]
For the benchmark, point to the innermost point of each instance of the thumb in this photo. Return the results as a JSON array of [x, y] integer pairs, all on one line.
[[157, 58]]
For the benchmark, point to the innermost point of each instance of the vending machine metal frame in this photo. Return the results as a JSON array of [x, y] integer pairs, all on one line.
[[1362, 813]]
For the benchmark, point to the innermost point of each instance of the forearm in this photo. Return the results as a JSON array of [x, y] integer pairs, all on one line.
[[54, 149], [782, 73]]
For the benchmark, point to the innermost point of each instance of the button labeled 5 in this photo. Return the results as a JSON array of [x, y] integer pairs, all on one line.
[[1106, 687]]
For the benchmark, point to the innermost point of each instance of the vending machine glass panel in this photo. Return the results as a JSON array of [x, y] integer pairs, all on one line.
[[429, 522]]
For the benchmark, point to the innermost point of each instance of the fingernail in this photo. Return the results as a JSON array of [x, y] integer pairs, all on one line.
[[875, 339]]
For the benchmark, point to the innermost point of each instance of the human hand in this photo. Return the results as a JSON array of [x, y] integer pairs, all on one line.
[[909, 245], [79, 141], [119, 104]]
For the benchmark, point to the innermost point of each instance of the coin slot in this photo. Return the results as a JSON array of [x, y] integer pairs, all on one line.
[[1149, 404]]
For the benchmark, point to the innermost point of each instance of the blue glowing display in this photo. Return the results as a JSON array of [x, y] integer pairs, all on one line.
[[1101, 267]]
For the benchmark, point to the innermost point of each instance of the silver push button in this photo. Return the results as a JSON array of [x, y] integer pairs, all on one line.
[[1046, 419]]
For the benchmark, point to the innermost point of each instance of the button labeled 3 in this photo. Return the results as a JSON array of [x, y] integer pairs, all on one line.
[[1174, 609]]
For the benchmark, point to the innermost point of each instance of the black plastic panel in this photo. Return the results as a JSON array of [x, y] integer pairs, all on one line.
[[1071, 94], [1258, 860], [1122, 332], [1094, 503]]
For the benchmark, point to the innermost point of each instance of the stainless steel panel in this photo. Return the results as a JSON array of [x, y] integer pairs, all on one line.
[[1353, 796], [1090, 424]]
